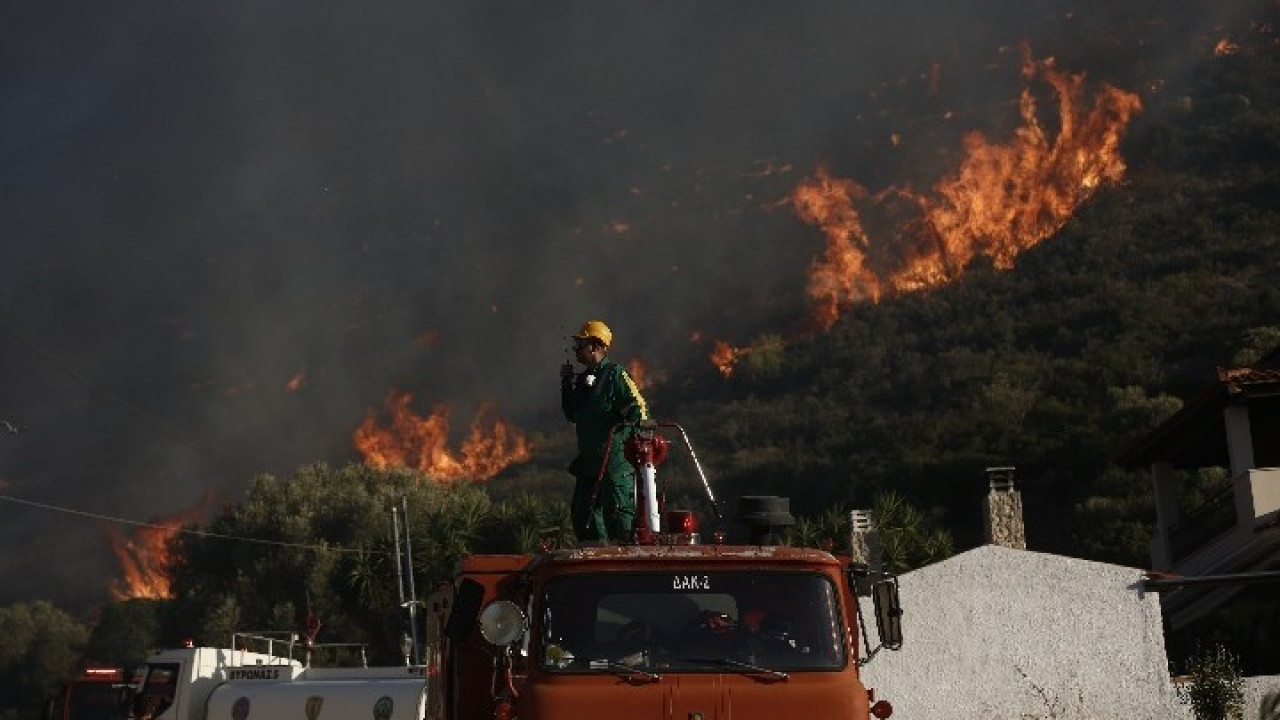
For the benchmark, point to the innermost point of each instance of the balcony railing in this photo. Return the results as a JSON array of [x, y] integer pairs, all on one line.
[[1215, 517]]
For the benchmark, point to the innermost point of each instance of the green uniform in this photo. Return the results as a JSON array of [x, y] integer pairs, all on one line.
[[595, 407]]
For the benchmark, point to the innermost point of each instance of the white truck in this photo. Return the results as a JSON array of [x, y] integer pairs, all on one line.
[[201, 683]]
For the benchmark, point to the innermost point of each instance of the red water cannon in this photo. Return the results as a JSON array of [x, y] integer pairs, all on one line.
[[646, 449]]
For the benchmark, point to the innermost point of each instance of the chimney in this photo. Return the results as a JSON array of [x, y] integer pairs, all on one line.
[[1003, 519], [864, 541], [864, 547]]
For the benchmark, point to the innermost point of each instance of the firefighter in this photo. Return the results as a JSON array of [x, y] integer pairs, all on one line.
[[596, 400]]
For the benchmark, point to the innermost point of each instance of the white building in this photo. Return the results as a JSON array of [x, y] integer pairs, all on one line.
[[1002, 632], [997, 632]]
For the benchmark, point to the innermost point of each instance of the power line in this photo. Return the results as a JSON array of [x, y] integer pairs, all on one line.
[[188, 531]]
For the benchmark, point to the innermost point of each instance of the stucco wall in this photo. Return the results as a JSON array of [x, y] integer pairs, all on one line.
[[1000, 633], [1262, 697]]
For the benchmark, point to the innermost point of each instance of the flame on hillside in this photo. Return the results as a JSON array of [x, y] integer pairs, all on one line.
[[421, 443], [725, 357], [1001, 200], [145, 555]]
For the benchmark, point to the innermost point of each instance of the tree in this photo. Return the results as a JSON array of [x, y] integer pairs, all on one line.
[[40, 649], [322, 544], [125, 634], [1255, 344], [908, 538]]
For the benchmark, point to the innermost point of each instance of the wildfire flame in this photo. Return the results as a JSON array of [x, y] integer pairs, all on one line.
[[421, 443], [296, 382], [1001, 200], [725, 356], [1225, 47], [145, 555]]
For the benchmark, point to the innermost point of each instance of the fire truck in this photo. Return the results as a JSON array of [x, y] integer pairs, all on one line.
[[97, 693], [666, 627], [278, 681]]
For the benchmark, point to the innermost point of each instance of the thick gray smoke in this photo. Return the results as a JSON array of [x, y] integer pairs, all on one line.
[[202, 201]]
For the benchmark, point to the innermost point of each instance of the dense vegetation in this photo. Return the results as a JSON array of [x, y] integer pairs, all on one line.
[[1053, 367]]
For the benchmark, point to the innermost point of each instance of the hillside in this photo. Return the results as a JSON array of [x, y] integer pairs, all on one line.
[[1053, 366]]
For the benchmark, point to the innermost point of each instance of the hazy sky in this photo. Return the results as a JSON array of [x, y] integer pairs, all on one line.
[[202, 201]]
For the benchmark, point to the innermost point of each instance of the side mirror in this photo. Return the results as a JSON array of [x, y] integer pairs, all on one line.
[[466, 603], [884, 596], [502, 622]]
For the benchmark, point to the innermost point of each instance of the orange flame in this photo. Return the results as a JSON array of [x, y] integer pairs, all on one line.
[[296, 382], [413, 441], [725, 356], [146, 553], [1001, 200], [1225, 47]]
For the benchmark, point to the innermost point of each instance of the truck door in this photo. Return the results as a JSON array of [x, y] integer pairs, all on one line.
[[158, 693]]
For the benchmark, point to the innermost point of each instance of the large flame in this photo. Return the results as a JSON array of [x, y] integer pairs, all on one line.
[[421, 443], [1001, 200], [145, 555]]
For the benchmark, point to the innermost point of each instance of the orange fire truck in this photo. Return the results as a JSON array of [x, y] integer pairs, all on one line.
[[665, 627]]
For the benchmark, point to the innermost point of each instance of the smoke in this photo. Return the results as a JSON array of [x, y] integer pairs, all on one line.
[[202, 202]]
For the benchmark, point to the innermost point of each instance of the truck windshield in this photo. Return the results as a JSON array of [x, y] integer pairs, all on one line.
[[691, 622]]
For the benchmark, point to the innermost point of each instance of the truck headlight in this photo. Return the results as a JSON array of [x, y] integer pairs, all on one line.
[[502, 622]]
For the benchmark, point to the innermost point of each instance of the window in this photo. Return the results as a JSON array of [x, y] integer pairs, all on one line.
[[97, 701], [158, 689], [691, 622]]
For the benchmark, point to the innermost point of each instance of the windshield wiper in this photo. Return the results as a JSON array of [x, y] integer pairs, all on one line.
[[629, 670], [738, 664]]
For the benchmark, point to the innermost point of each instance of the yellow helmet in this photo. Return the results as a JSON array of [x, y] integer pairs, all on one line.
[[598, 330]]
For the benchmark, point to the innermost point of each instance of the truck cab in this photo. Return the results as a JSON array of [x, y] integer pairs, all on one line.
[[656, 631], [97, 693], [177, 683]]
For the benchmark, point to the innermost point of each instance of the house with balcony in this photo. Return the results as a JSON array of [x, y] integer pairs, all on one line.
[[1233, 424]]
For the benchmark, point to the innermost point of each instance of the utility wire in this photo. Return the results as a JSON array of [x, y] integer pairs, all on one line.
[[188, 531], [226, 460]]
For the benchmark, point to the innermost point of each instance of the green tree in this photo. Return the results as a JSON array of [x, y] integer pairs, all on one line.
[[1255, 344], [40, 649], [322, 543], [125, 634], [909, 539]]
